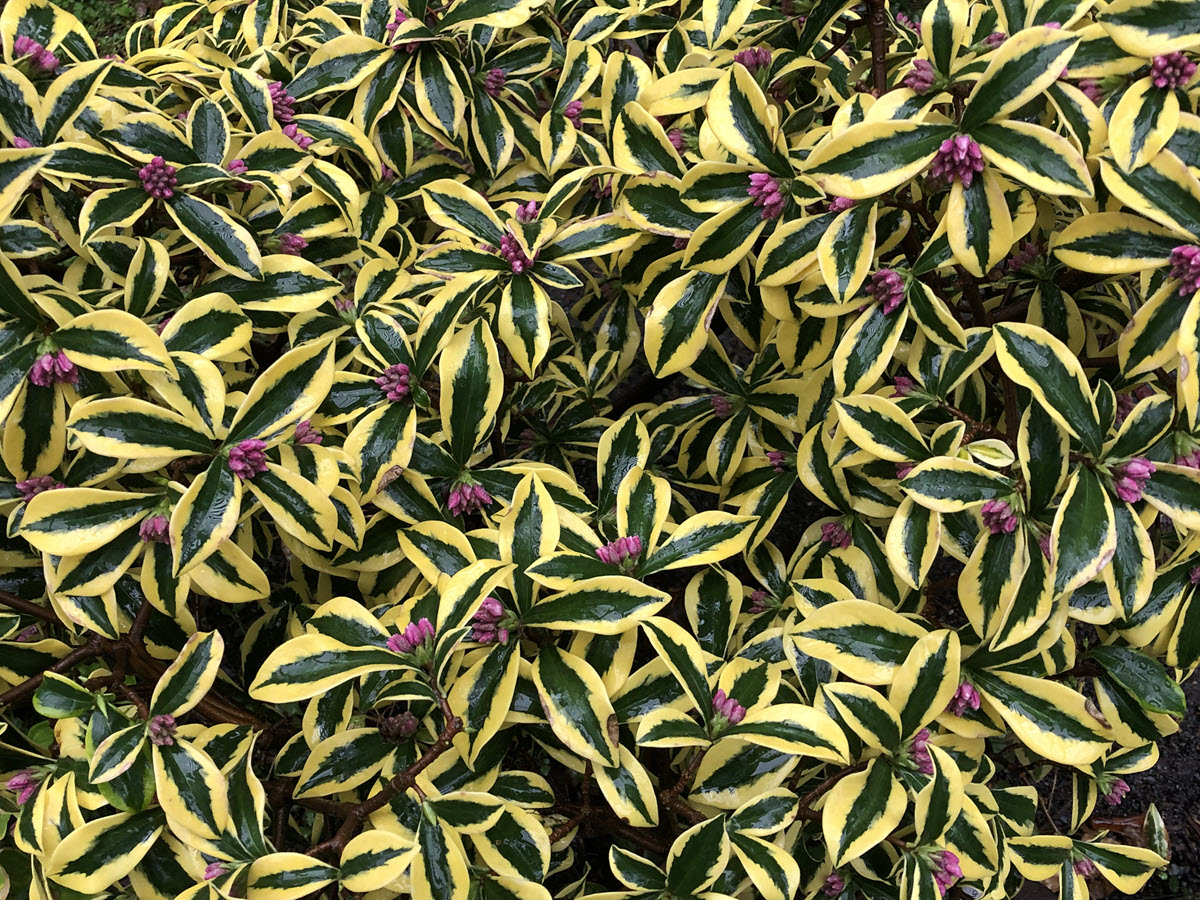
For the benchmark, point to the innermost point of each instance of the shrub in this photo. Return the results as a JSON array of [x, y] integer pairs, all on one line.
[[686, 450]]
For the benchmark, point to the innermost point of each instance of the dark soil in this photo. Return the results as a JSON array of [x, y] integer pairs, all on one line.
[[1174, 787]]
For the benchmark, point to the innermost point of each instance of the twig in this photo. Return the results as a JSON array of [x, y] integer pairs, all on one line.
[[25, 689], [398, 785], [30, 609], [670, 797], [878, 27], [841, 41], [807, 801]]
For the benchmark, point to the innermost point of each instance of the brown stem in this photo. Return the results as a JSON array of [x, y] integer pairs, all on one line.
[[398, 785], [841, 41], [211, 707], [137, 630], [877, 24], [566, 827], [807, 801], [279, 825], [30, 609], [670, 797], [26, 688], [142, 707]]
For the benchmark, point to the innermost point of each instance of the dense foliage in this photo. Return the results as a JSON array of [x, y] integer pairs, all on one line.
[[415, 420]]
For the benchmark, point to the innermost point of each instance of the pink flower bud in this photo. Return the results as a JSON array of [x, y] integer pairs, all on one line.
[[248, 459], [306, 434], [574, 112], [31, 487], [964, 699], [24, 784], [155, 530], [887, 287], [395, 382], [834, 885], [999, 517], [958, 159], [921, 77], [836, 534], [162, 731]]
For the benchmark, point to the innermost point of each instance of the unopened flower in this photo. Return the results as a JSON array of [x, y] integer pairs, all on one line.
[[24, 784], [753, 59], [887, 287], [1027, 253], [299, 138], [964, 699], [395, 382], [907, 22], [239, 167], [467, 497], [728, 708], [1171, 71], [902, 386], [155, 530], [1084, 867], [489, 624], [675, 136], [20, 143], [621, 551], [999, 517], [53, 368], [995, 39], [1115, 791], [162, 731], [764, 191], [958, 159], [777, 459], [397, 20], [574, 112], [25, 46], [1194, 575], [902, 469], [158, 179], [919, 752], [291, 244], [758, 602], [834, 885], [1045, 546], [31, 487], [395, 729], [721, 406], [921, 77], [946, 869], [514, 254], [528, 212], [248, 459], [282, 102], [215, 870], [836, 534], [306, 434], [493, 84], [1092, 90], [416, 636], [840, 204], [1130, 478], [1185, 265], [601, 187]]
